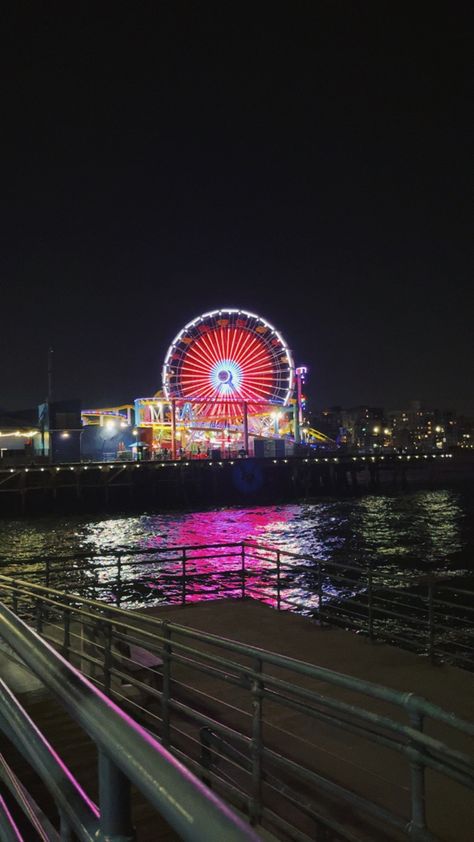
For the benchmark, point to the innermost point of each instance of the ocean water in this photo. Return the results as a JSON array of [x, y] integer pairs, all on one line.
[[414, 533]]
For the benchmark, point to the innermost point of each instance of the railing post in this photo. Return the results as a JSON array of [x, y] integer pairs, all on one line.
[[107, 658], [183, 575], [320, 594], [205, 735], [165, 696], [417, 777], [65, 829], [370, 601], [95, 582], [67, 632], [47, 575], [118, 598], [114, 802], [431, 623], [278, 561], [39, 616], [242, 571], [256, 746]]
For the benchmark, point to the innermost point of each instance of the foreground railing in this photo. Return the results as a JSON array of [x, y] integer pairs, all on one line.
[[127, 755], [302, 749], [427, 614]]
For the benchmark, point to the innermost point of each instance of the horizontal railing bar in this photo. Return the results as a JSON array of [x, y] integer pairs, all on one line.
[[456, 764], [303, 837], [120, 551], [457, 605], [399, 591], [459, 645], [123, 552], [183, 801], [343, 794], [343, 610], [300, 667], [455, 655], [8, 828], [28, 805], [204, 719], [456, 590], [67, 793]]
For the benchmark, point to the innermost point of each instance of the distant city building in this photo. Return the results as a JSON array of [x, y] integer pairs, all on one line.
[[416, 427]]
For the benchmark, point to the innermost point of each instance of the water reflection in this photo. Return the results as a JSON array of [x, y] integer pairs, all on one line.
[[406, 533]]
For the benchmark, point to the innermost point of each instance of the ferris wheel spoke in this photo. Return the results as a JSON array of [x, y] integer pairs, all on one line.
[[237, 343], [228, 338], [263, 367], [247, 341], [253, 352], [217, 338], [199, 356], [206, 349], [202, 351], [237, 340], [255, 391]]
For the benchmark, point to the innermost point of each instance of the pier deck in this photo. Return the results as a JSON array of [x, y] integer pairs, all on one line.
[[341, 756]]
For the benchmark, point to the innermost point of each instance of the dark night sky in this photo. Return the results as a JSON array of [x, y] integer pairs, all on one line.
[[309, 164]]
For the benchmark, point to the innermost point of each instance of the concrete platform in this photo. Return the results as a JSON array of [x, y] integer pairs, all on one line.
[[368, 769], [251, 622]]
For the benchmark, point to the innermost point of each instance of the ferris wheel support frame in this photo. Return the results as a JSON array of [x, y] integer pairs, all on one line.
[[245, 425]]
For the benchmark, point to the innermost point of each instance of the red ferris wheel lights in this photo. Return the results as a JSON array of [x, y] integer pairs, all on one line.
[[227, 355]]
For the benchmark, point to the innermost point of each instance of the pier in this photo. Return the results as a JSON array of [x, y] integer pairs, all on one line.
[[145, 485]]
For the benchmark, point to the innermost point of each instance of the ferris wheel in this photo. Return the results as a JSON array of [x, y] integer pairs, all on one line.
[[228, 357]]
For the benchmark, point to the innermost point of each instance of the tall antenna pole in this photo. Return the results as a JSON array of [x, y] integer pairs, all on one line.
[[50, 374], [298, 410]]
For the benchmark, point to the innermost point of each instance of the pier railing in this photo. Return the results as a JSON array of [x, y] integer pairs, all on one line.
[[269, 733], [428, 614], [127, 754]]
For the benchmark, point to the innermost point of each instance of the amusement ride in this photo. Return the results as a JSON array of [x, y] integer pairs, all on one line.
[[230, 387]]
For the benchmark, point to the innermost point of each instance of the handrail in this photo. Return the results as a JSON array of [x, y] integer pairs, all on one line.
[[71, 799], [158, 636], [336, 593], [8, 829], [30, 808], [122, 552], [126, 748], [140, 620]]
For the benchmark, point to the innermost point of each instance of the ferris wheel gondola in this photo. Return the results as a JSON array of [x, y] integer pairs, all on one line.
[[226, 358]]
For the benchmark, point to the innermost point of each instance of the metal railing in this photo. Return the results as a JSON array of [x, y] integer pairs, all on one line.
[[426, 614], [266, 731], [127, 754]]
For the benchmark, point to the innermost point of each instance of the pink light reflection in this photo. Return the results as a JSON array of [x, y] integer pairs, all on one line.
[[225, 525], [219, 572]]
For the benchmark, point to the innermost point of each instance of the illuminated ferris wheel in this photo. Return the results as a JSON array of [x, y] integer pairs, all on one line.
[[228, 357]]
